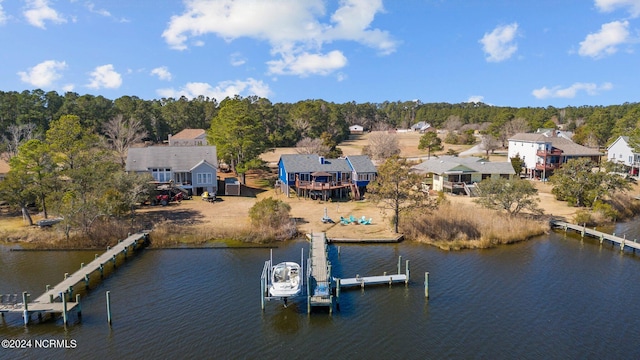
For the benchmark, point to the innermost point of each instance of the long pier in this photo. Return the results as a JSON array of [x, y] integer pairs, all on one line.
[[319, 273], [583, 230], [57, 300]]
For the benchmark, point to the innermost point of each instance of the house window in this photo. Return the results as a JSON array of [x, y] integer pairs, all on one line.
[[366, 177], [504, 176], [204, 178], [485, 176], [161, 175]]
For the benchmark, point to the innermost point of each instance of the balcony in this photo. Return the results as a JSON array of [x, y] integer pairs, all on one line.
[[547, 153], [548, 166]]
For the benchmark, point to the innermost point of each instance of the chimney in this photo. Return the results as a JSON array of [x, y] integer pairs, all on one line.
[[321, 158]]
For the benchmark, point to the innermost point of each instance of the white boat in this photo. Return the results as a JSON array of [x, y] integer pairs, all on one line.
[[286, 280]]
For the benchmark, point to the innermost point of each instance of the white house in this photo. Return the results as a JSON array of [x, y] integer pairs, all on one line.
[[621, 152], [544, 153], [356, 129], [421, 126], [193, 168]]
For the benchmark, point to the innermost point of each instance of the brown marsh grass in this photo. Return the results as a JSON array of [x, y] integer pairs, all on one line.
[[460, 226]]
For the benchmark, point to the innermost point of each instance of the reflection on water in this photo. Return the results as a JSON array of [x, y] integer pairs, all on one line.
[[547, 298]]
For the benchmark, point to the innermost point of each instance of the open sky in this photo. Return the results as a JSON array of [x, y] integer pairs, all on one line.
[[517, 53]]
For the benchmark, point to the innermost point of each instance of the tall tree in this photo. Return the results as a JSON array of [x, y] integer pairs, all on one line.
[[238, 134], [34, 162], [396, 189], [382, 145], [430, 141], [121, 134]]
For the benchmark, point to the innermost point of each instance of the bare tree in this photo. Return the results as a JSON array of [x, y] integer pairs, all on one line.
[[121, 134], [453, 123], [312, 146], [382, 145], [18, 134], [489, 143]]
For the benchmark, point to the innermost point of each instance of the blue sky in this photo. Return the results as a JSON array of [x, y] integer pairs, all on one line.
[[501, 52]]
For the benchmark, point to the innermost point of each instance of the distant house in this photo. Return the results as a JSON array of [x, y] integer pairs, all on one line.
[[622, 153], [557, 133], [458, 175], [542, 154], [193, 168], [421, 126], [317, 177], [356, 129], [189, 137]]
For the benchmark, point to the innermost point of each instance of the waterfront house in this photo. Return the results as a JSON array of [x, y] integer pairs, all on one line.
[[458, 175], [311, 175], [544, 153], [189, 137], [193, 168], [622, 153]]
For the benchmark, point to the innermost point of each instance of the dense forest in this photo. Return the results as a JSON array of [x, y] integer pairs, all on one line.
[[285, 124]]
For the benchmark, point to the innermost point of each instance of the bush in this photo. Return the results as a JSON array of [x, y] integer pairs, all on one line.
[[270, 219]]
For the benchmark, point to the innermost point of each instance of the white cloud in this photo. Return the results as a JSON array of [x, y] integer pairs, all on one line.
[[605, 42], [499, 45], [3, 16], [162, 73], [293, 28], [571, 91], [307, 64], [223, 90], [105, 77], [38, 11], [237, 59], [633, 6], [92, 8], [68, 87], [43, 74], [475, 99]]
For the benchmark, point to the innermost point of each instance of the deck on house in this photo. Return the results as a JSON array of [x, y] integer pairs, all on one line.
[[583, 230]]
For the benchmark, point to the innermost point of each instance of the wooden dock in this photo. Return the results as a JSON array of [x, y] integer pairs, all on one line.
[[57, 300], [585, 231], [373, 280], [319, 273]]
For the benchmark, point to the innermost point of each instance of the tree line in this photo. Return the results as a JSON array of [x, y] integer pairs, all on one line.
[[287, 123]]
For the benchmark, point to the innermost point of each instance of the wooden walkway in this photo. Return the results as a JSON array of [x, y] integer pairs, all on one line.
[[373, 280], [582, 230], [58, 299], [319, 273]]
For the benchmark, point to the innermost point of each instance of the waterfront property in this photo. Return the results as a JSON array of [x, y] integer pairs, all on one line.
[[458, 175], [189, 137], [313, 176], [193, 168], [546, 152]]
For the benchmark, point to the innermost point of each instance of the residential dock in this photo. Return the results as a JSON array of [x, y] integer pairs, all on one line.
[[58, 299], [319, 273], [585, 231]]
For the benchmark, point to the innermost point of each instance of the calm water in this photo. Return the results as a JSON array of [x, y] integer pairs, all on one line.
[[554, 297]]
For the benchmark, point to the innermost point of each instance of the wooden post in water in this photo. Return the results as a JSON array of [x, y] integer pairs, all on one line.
[[399, 263], [113, 259], [66, 275], [101, 271], [426, 285], [81, 265], [25, 312], [262, 292], [64, 308], [86, 281], [109, 307], [79, 307], [622, 242], [407, 270]]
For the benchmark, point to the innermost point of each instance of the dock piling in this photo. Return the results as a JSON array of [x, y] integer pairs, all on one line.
[[109, 307], [79, 307], [399, 263], [426, 285], [25, 313], [407, 271], [65, 317]]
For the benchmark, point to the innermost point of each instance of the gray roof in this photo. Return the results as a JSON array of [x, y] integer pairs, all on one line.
[[568, 147], [362, 164], [446, 164], [308, 163], [176, 158]]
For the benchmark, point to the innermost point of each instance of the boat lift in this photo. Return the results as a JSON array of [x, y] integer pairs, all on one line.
[[265, 281]]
